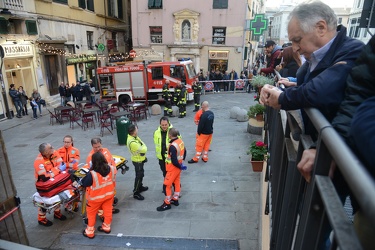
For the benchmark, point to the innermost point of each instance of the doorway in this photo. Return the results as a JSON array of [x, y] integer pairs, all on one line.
[[51, 70]]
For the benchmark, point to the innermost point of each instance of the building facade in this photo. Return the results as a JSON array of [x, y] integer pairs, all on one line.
[[210, 33], [47, 42]]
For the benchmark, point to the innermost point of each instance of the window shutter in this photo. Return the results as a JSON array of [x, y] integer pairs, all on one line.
[[3, 26], [31, 27], [151, 4], [90, 5], [158, 4], [82, 4]]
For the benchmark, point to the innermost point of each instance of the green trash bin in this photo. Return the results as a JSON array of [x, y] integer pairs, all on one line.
[[122, 125]]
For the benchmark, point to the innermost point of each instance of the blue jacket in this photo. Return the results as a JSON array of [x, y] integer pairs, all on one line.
[[15, 95], [324, 87]]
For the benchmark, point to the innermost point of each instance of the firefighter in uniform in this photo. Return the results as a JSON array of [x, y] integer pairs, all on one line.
[[183, 100], [197, 89], [100, 191], [177, 96], [138, 150], [174, 165], [47, 165], [167, 96]]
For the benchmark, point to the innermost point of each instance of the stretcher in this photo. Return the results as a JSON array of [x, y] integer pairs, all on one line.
[[75, 192]]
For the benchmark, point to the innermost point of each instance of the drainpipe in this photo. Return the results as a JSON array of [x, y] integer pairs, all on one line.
[[7, 111]]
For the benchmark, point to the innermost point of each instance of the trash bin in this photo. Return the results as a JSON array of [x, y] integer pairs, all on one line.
[[122, 125]]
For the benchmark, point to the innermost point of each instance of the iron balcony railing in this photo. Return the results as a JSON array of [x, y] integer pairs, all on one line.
[[303, 215], [11, 4]]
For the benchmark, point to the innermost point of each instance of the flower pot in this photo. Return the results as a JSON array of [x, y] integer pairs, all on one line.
[[257, 165], [259, 117]]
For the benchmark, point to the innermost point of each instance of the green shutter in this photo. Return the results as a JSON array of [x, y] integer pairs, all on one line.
[[158, 4], [31, 27], [82, 4], [90, 5], [151, 4], [3, 26]]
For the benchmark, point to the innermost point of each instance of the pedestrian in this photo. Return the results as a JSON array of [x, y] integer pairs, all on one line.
[[62, 92], [226, 83], [24, 99], [138, 150], [16, 98], [73, 91], [217, 80], [97, 146], [161, 142], [38, 98], [274, 51], [68, 93], [48, 164], [204, 131], [174, 165], [232, 77], [197, 89], [34, 107], [87, 91], [100, 185], [167, 96], [92, 92]]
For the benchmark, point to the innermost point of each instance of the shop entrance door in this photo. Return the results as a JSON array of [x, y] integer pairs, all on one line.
[[51, 70]]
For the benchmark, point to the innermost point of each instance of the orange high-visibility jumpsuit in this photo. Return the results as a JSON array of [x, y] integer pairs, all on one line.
[[204, 138], [70, 156], [100, 195], [107, 155], [173, 172], [48, 168]]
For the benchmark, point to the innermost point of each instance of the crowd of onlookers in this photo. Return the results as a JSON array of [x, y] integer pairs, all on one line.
[[76, 92]]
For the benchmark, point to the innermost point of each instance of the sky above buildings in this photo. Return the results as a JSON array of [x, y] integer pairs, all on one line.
[[333, 4]]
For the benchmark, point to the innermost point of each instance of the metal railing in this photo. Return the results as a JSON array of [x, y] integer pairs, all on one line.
[[11, 4], [302, 215]]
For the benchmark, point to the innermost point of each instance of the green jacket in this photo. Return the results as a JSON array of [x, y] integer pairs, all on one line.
[[137, 148]]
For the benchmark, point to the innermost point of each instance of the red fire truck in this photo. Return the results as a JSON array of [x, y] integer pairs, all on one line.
[[137, 81]]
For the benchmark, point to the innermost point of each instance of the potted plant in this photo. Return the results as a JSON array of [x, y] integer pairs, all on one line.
[[258, 151], [259, 81], [256, 111]]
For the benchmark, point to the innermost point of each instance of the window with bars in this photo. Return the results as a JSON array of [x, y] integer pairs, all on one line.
[[155, 4], [156, 34], [90, 43], [220, 4], [218, 35]]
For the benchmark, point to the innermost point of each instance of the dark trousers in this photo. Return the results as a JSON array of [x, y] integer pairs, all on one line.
[[162, 167], [24, 110], [197, 101], [35, 112], [19, 107], [139, 174]]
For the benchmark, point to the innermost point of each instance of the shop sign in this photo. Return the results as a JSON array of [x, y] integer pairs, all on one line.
[[81, 59], [17, 50]]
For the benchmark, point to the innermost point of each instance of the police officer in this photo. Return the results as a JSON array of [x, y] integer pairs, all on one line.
[[167, 96], [197, 89]]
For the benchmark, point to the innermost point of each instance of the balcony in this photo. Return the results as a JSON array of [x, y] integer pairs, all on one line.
[[304, 215], [12, 4]]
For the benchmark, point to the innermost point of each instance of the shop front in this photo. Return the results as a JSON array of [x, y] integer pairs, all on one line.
[[81, 68], [18, 69]]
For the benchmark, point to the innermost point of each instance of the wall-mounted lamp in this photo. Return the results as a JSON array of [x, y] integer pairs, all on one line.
[[18, 66], [77, 46], [96, 46]]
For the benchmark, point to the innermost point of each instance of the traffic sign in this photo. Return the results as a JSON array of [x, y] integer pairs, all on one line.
[[132, 53]]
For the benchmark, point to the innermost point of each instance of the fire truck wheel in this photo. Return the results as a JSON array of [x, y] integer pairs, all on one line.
[[124, 99]]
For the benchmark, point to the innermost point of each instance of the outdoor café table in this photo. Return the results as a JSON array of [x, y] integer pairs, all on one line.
[[81, 103], [95, 110], [118, 114], [106, 103], [61, 108], [133, 107]]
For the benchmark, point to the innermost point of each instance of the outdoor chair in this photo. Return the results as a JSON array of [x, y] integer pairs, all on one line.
[[86, 119], [74, 117], [105, 124]]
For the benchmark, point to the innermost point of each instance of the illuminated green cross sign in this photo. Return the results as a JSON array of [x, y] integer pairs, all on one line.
[[258, 24]]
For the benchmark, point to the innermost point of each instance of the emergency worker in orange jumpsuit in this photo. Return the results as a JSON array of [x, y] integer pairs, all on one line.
[[174, 165], [69, 154], [100, 185], [204, 131], [97, 146], [48, 164]]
